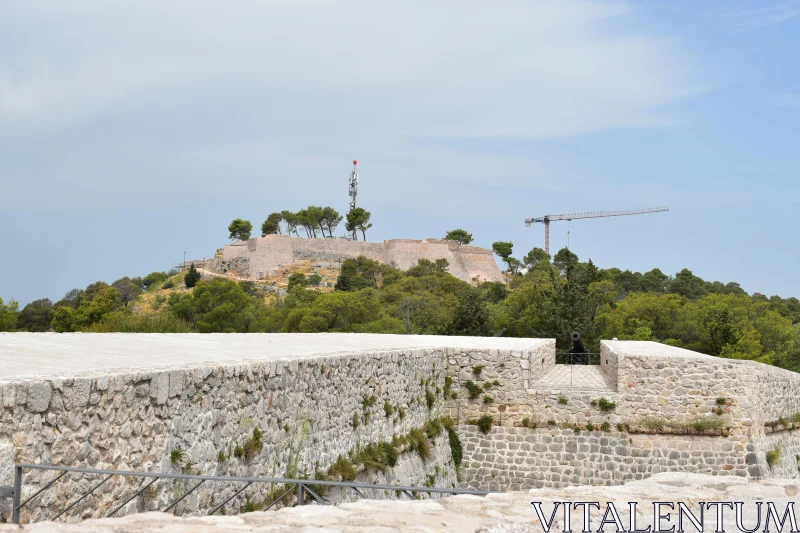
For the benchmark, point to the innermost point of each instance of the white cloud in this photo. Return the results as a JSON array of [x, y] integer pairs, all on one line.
[[762, 17], [452, 68]]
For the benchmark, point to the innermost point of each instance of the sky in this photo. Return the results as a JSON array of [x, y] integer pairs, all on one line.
[[132, 132]]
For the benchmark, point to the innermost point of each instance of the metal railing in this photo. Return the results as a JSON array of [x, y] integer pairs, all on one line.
[[569, 358], [578, 371], [303, 488]]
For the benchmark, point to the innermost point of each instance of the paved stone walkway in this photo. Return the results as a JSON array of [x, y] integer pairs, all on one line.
[[574, 377]]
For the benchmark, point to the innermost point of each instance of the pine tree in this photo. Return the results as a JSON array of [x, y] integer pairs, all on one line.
[[192, 277]]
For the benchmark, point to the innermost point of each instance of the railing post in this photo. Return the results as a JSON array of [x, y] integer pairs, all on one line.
[[301, 494], [16, 501]]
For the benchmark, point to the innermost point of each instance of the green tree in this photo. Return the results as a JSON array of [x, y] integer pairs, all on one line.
[[272, 224], [292, 222], [536, 256], [298, 279], [504, 249], [360, 273], [358, 220], [129, 289], [471, 317], [219, 306], [192, 277], [459, 235], [331, 219], [8, 315], [688, 285], [36, 316], [240, 229], [153, 278], [315, 216]]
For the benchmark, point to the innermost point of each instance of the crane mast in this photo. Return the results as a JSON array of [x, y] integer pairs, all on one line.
[[547, 219]]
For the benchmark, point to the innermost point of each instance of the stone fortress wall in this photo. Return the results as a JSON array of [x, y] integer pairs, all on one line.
[[266, 255], [658, 391], [314, 397], [305, 401]]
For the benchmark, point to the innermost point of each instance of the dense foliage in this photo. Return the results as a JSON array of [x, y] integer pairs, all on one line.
[[543, 298]]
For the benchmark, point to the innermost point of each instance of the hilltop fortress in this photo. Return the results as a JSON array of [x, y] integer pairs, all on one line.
[[261, 257]]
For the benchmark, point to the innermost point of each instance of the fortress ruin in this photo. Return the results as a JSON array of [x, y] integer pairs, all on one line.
[[261, 257], [128, 401]]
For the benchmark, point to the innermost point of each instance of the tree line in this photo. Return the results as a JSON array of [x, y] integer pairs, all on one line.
[[315, 221], [544, 297]]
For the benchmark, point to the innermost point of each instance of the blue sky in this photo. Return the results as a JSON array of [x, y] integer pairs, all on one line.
[[131, 132]]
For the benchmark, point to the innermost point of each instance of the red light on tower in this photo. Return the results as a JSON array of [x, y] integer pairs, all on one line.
[[355, 162]]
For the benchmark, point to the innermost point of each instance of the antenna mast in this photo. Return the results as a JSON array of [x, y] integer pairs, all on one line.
[[353, 191]]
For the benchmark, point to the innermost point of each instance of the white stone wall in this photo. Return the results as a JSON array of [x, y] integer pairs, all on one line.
[[134, 420], [652, 381]]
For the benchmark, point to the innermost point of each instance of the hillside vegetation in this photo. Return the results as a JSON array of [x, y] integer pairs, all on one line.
[[544, 298]]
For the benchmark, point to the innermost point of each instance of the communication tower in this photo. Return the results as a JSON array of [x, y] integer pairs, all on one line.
[[353, 191]]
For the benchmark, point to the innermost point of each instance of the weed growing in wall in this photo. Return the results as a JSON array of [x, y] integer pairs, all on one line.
[[488, 399], [484, 423], [253, 446], [476, 370], [387, 408], [430, 398], [474, 390], [343, 469], [703, 423], [773, 456], [176, 456], [562, 400], [604, 405]]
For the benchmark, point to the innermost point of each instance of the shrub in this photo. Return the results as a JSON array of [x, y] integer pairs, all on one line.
[[456, 450], [430, 398], [620, 427], [176, 456], [477, 370], [222, 457], [419, 443], [562, 400], [474, 390], [773, 456], [378, 456], [315, 279], [485, 424], [432, 428], [343, 468], [590, 427], [356, 420], [253, 446], [298, 279], [576, 429], [169, 284], [238, 451], [605, 426], [604, 405], [249, 506], [387, 408], [368, 402], [488, 399], [721, 401], [702, 423]]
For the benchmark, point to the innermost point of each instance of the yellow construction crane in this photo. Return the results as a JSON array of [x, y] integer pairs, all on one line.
[[547, 219]]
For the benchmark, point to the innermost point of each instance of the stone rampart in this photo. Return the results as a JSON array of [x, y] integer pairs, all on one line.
[[662, 408], [273, 252], [174, 403], [311, 408]]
